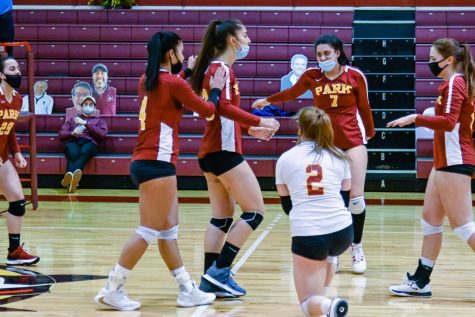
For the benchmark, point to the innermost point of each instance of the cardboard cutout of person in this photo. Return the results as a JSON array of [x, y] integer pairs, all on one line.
[[104, 94], [43, 102], [298, 64]]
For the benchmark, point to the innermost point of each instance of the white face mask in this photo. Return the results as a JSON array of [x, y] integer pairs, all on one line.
[[327, 66], [242, 51], [88, 110]]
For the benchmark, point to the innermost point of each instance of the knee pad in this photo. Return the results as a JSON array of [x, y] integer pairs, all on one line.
[[169, 234], [17, 208], [357, 205], [253, 218], [428, 229], [222, 224], [149, 235], [332, 260], [465, 231], [304, 307]]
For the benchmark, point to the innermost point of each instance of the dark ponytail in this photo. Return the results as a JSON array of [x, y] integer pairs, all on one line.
[[214, 43], [468, 69], [336, 44], [158, 46]]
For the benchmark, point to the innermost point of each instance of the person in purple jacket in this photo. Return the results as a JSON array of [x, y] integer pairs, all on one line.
[[82, 134]]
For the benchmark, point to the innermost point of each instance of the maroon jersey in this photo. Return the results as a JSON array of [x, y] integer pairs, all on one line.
[[106, 102], [160, 114], [452, 124], [223, 130], [344, 98], [9, 112]]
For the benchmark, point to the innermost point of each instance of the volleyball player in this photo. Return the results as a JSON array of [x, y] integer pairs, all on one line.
[[448, 192], [309, 178], [163, 95], [342, 91], [10, 185], [229, 177]]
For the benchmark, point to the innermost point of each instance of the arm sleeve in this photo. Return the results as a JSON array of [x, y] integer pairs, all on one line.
[[187, 97], [446, 122], [12, 142], [301, 86], [65, 132], [362, 103], [286, 203], [98, 131]]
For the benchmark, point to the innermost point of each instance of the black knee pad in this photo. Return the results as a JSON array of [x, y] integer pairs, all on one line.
[[222, 224], [252, 218], [17, 208]]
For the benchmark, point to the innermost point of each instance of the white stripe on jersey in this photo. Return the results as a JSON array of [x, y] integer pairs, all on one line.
[[228, 139], [449, 97], [228, 81], [453, 150], [361, 126], [165, 147], [364, 78]]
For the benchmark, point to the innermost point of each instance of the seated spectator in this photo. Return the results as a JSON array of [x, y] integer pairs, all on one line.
[[82, 134], [104, 94], [298, 64], [43, 102]]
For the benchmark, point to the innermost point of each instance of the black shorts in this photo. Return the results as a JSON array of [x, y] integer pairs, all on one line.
[[145, 170], [220, 162], [322, 246], [464, 169]]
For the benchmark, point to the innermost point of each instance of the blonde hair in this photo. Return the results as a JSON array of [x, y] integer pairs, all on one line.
[[315, 124]]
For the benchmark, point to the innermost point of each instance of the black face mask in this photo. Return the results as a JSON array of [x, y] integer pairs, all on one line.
[[176, 68], [13, 80], [434, 67]]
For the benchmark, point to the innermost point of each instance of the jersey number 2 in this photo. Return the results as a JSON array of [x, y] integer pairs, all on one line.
[[314, 180], [143, 114]]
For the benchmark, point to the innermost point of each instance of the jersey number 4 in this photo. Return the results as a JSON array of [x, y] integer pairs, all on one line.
[[314, 180], [143, 114]]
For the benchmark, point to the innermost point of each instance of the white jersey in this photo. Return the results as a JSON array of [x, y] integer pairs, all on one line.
[[43, 104], [314, 183]]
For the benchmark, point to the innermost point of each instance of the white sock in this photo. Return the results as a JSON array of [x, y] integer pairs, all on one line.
[[182, 278], [117, 277], [325, 306], [325, 291], [177, 271], [427, 262]]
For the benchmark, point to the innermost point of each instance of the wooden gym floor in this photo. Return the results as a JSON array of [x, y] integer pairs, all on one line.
[[78, 240]]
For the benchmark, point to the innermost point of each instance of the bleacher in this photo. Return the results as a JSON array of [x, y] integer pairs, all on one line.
[[68, 43]]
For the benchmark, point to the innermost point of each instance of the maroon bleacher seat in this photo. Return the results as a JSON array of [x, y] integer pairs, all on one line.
[[272, 69], [86, 50], [423, 71], [288, 125], [84, 33], [128, 104], [206, 16], [266, 86], [143, 33], [295, 105], [304, 34], [152, 17], [422, 52], [115, 50], [253, 146], [284, 144], [31, 16], [184, 17], [52, 50], [307, 18], [464, 17], [462, 34], [427, 87], [98, 17], [270, 51], [26, 32], [424, 103], [345, 34], [54, 67], [116, 33], [245, 68], [61, 17], [247, 17], [424, 147], [423, 167], [53, 33], [430, 34], [338, 18], [128, 17], [431, 18], [276, 17]]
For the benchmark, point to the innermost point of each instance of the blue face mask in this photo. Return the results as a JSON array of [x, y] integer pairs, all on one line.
[[327, 66], [242, 52], [88, 110]]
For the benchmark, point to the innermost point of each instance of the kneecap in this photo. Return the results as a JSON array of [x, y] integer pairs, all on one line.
[[253, 218], [17, 208], [465, 231], [428, 229], [149, 235], [169, 234], [357, 205]]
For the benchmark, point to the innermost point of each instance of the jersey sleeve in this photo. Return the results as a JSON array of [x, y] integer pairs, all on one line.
[[186, 96], [12, 142], [279, 177], [456, 95], [300, 87], [362, 103]]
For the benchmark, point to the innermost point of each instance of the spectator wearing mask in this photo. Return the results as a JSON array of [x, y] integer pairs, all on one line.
[[82, 134]]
